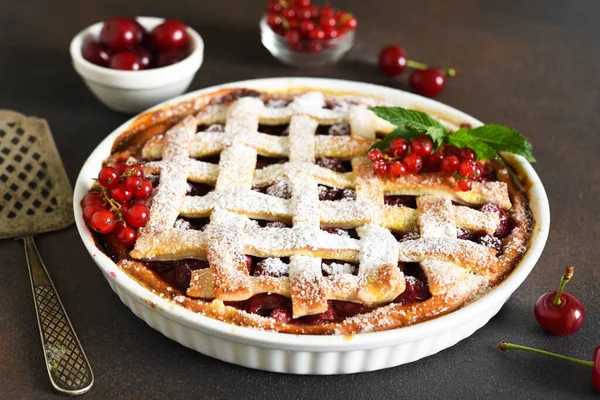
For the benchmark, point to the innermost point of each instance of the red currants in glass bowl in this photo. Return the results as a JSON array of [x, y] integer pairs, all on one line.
[[300, 34], [131, 64]]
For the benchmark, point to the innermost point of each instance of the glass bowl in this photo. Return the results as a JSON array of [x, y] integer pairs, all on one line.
[[305, 53]]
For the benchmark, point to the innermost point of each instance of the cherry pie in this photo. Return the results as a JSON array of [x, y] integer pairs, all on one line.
[[266, 212]]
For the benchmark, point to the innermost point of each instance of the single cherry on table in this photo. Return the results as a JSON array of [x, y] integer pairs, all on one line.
[[559, 312], [594, 364]]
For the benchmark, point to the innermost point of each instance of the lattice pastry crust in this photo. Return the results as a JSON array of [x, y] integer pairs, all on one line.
[[456, 269]]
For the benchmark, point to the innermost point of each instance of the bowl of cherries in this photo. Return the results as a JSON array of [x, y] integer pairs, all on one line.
[[131, 64], [300, 34]]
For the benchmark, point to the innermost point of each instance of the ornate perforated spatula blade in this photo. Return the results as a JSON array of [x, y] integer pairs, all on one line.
[[36, 197]]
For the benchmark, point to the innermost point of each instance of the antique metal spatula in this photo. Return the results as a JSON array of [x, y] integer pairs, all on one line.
[[36, 197]]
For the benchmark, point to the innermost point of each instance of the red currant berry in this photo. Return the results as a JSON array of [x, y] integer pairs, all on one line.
[[466, 154], [293, 36], [317, 34], [434, 161], [313, 47], [121, 34], [467, 168], [133, 183], [145, 56], [103, 221], [306, 26], [96, 53], [108, 177], [398, 147], [413, 163], [134, 170], [331, 33], [89, 211], [121, 168], [421, 146], [121, 194], [375, 155], [397, 168], [304, 13], [465, 185], [451, 150], [314, 10], [428, 83], [274, 6], [392, 60], [450, 164], [126, 61], [301, 3], [326, 11], [144, 191], [93, 198], [171, 34], [479, 170], [137, 216], [327, 22], [126, 235], [351, 23], [287, 13]]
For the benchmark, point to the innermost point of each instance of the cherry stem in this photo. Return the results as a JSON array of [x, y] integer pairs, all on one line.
[[563, 282], [451, 72], [509, 346]]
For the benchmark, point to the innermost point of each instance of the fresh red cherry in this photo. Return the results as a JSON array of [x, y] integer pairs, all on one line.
[[96, 53], [392, 60], [429, 82], [127, 61], [145, 56], [558, 312], [169, 57], [121, 34], [421, 146], [594, 364], [171, 34]]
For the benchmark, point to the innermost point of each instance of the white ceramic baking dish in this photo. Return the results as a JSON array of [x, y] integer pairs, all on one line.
[[312, 354]]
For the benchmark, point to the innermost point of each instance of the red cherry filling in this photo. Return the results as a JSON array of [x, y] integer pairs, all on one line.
[[334, 164], [262, 161], [275, 130], [327, 193], [402, 200], [199, 189]]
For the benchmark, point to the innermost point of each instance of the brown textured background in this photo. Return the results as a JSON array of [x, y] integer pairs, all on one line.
[[530, 65]]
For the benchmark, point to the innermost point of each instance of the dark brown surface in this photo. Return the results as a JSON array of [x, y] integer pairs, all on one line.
[[529, 65]]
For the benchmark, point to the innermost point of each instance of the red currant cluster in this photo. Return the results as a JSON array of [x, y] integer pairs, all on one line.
[[305, 26], [404, 157], [125, 44], [120, 206], [423, 80]]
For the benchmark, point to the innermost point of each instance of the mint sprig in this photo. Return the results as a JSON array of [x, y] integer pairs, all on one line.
[[486, 140], [413, 121]]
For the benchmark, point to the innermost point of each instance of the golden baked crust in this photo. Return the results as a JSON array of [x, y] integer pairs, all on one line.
[[456, 270]]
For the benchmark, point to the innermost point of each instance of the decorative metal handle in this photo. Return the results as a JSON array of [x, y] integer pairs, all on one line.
[[68, 367]]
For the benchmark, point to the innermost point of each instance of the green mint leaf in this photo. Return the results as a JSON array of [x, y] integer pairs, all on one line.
[[501, 138], [400, 132], [463, 138], [413, 120]]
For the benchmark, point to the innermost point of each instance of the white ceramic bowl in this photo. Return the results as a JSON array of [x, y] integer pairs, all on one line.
[[134, 91], [313, 354]]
